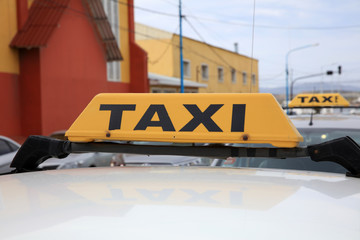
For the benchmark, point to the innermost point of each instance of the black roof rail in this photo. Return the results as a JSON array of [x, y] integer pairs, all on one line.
[[37, 149]]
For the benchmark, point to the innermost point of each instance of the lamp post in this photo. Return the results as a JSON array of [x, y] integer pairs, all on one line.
[[304, 77], [287, 70], [181, 52]]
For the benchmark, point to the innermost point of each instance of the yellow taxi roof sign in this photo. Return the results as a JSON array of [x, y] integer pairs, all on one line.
[[319, 100], [201, 118]]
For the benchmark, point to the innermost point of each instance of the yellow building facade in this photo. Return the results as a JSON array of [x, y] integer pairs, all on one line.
[[8, 24], [221, 70]]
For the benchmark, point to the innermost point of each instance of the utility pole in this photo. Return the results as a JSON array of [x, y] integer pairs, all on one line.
[[181, 52], [308, 76], [287, 71]]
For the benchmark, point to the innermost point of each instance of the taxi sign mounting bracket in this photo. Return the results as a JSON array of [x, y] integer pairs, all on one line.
[[37, 149]]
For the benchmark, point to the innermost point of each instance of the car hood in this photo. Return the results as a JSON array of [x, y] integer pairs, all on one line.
[[179, 203]]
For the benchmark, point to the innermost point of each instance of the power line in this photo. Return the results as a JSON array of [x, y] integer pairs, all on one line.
[[244, 24], [213, 50], [276, 27], [146, 9], [128, 30], [252, 44], [204, 26], [163, 53]]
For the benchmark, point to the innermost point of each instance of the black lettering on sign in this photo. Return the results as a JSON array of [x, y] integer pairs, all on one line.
[[327, 99], [202, 118], [336, 99], [303, 99], [314, 99], [164, 119], [116, 113], [238, 118]]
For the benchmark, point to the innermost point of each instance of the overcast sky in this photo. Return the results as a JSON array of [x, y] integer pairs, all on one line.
[[280, 26]]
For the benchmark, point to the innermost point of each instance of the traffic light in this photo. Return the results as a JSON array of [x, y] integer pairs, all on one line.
[[339, 70]]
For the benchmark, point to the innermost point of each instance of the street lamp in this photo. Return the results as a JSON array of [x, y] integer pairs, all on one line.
[[304, 77], [287, 70]]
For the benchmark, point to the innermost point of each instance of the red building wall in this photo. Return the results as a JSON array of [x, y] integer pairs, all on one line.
[[57, 81], [72, 70], [138, 65], [30, 89], [9, 105]]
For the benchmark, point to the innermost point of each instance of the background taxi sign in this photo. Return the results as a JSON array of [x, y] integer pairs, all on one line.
[[319, 100], [202, 118]]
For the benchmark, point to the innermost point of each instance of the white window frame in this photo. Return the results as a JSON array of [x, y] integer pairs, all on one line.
[[187, 70], [112, 12], [205, 77], [244, 76], [220, 74], [233, 75], [163, 90], [253, 79]]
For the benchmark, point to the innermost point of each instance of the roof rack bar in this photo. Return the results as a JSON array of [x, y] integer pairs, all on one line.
[[196, 151], [37, 149], [344, 151]]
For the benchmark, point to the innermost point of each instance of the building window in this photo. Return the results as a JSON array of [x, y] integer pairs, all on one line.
[[155, 90], [204, 72], [244, 75], [112, 11], [233, 75], [220, 74], [253, 79], [186, 68], [191, 91]]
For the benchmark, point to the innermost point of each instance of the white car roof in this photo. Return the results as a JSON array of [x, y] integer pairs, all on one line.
[[179, 203]]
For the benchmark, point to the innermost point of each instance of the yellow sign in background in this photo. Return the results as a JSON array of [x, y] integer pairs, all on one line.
[[319, 100]]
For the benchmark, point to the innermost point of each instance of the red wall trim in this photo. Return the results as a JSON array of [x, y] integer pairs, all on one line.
[[138, 58], [10, 105], [22, 12], [30, 91]]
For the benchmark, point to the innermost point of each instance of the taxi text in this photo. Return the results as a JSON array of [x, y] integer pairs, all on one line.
[[198, 117]]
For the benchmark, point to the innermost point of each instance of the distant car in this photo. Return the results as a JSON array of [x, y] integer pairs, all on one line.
[[8, 149], [320, 128], [79, 160], [8, 145], [59, 135], [155, 160], [314, 129]]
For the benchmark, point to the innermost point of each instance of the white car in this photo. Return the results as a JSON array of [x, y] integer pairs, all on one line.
[[182, 202], [79, 160], [179, 203], [8, 149], [8, 145], [155, 160]]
